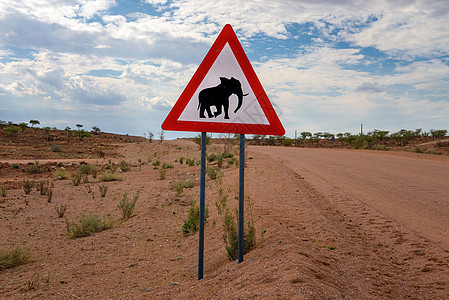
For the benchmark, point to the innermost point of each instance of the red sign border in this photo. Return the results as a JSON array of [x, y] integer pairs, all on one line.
[[227, 35]]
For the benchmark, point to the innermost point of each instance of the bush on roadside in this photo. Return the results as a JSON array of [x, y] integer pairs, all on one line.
[[230, 226], [87, 226], [191, 224]]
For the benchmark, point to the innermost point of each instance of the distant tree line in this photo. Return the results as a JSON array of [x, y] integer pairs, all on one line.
[[369, 140], [11, 129]]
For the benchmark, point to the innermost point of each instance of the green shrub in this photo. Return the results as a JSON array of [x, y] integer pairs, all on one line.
[[11, 130], [167, 166], [181, 160], [87, 169], [162, 174], [35, 169], [180, 186], [212, 173], [230, 226], [126, 206], [287, 142], [212, 157], [124, 166], [87, 226], [56, 148], [110, 177], [227, 154], [191, 224], [112, 167], [62, 174], [380, 147], [157, 162], [190, 162], [13, 257], [230, 235], [220, 161]]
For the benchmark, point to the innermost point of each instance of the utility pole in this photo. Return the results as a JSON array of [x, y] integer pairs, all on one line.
[[361, 129], [296, 137]]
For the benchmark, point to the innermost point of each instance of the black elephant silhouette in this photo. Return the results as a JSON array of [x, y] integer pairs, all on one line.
[[218, 96]]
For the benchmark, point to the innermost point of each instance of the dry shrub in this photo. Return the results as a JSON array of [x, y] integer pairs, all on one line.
[[14, 257], [87, 226], [61, 210]]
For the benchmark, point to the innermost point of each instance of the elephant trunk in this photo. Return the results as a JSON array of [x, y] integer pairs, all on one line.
[[240, 96]]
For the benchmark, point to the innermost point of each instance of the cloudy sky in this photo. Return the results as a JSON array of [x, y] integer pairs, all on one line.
[[326, 65]]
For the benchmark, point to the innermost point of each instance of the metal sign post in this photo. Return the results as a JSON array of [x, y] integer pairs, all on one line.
[[241, 196], [202, 205]]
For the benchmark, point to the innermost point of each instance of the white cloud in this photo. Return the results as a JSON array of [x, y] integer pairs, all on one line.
[[90, 8], [153, 54]]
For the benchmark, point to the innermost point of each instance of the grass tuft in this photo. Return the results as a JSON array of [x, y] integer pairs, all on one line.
[[103, 190], [110, 177], [27, 186], [61, 210], [61, 174], [190, 162], [126, 206], [14, 257], [88, 225], [186, 184]]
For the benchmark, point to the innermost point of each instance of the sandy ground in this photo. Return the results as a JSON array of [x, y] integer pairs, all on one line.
[[338, 224]]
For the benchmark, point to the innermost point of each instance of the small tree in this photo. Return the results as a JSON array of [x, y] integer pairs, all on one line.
[[306, 134], [95, 129], [79, 130], [162, 135], [438, 133], [34, 122], [150, 136]]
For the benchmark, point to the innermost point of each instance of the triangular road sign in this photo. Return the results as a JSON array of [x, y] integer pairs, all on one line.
[[224, 95]]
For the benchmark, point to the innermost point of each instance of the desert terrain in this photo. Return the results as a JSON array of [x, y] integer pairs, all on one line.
[[330, 223]]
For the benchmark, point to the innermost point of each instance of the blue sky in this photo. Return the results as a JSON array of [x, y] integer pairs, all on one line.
[[326, 65]]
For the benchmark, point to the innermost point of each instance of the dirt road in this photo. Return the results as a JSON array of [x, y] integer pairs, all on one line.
[[413, 190]]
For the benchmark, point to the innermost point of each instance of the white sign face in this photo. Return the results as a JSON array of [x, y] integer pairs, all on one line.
[[214, 99]]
